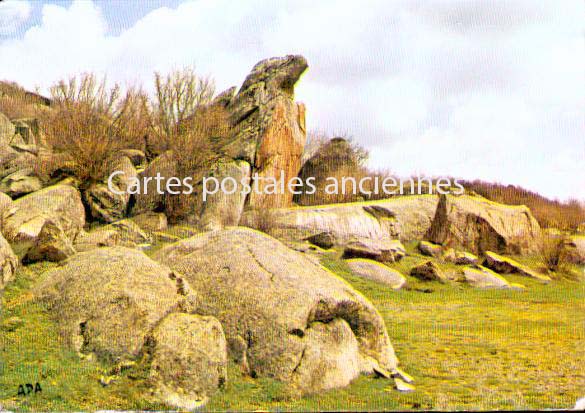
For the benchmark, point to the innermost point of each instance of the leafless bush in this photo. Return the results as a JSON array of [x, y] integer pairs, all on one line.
[[196, 149], [553, 250], [90, 122], [178, 96]]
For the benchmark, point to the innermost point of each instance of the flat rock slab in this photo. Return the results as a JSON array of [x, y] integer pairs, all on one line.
[[506, 265], [481, 277], [375, 271], [383, 250]]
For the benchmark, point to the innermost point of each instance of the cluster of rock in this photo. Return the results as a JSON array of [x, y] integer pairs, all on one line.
[[234, 294], [230, 292]]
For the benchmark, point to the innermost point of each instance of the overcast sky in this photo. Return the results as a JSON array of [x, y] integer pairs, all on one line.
[[487, 89]]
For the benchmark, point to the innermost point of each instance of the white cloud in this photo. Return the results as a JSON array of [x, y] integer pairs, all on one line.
[[440, 87], [13, 13]]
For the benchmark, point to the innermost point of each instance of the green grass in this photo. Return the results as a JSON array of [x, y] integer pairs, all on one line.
[[466, 348]]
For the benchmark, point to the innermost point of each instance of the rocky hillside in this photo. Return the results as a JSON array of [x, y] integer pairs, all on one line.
[[239, 281]]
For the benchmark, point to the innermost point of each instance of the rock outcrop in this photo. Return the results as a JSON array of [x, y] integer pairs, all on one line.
[[375, 271], [407, 218], [270, 125], [280, 311], [44, 224], [475, 224]]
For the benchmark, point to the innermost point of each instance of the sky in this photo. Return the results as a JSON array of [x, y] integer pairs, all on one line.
[[491, 90]]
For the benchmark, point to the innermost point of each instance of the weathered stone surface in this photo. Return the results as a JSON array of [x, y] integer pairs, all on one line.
[[151, 221], [223, 209], [6, 204], [271, 126], [273, 301], [136, 156], [375, 271], [460, 257], [383, 250], [428, 271], [149, 199], [8, 263], [45, 222], [575, 249], [12, 161], [324, 240], [109, 206], [123, 233], [334, 348], [108, 300], [7, 130], [506, 265], [481, 277], [429, 249], [189, 359], [407, 218], [478, 225], [19, 183], [29, 131]]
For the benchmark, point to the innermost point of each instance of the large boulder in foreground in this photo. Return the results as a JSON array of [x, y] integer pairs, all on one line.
[[284, 316], [8, 263], [189, 359], [118, 304], [109, 299], [43, 225], [478, 225]]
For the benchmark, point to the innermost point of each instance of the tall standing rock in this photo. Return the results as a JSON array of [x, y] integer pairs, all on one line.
[[270, 126]]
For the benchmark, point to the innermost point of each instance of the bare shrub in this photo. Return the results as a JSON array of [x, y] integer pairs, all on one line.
[[178, 96], [196, 148], [553, 250], [90, 123]]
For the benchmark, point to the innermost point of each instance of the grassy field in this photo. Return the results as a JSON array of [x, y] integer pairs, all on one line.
[[466, 348]]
